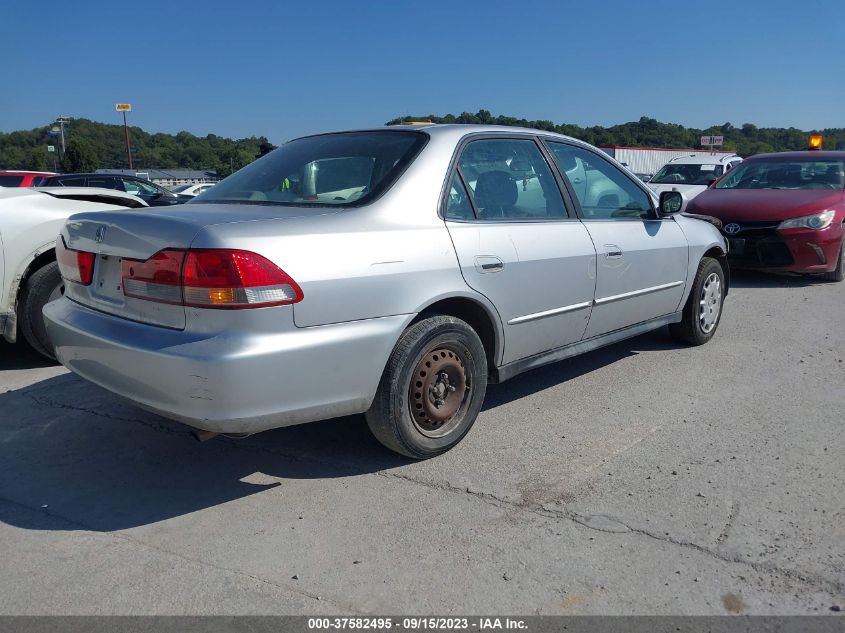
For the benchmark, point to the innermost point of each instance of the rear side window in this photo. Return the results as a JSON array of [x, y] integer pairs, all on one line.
[[106, 183], [72, 182], [11, 181], [328, 170], [509, 179]]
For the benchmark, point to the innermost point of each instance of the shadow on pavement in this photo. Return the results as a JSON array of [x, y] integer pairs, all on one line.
[[22, 356], [76, 457], [754, 279]]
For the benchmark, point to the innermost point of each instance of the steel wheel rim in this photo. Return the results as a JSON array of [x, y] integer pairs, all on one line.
[[710, 303], [439, 391]]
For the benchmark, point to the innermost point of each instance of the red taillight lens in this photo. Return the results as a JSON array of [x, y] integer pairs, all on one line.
[[157, 279], [235, 279], [75, 266], [209, 278]]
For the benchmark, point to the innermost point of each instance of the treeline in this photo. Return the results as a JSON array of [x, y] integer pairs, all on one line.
[[93, 145], [103, 146], [745, 140]]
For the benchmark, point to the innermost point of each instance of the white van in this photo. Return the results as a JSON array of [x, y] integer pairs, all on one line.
[[690, 175]]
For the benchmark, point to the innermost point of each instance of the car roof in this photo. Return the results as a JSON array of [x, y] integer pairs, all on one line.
[[708, 159], [25, 172], [458, 130], [817, 154]]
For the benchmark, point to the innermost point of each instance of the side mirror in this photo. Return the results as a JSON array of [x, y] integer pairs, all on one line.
[[671, 202]]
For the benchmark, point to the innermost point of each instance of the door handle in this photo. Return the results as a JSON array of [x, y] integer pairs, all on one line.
[[612, 251], [488, 264]]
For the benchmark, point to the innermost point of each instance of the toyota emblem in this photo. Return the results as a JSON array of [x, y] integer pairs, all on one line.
[[100, 235], [732, 228]]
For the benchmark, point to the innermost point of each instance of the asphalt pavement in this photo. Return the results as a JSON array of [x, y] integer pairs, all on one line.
[[645, 478]]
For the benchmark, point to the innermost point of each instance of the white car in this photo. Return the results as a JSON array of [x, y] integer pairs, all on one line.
[[690, 175], [192, 190], [30, 221]]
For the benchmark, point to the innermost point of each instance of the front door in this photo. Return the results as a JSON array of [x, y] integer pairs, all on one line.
[[517, 245], [642, 260]]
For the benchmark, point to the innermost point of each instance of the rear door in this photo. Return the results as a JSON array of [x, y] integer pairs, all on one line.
[[642, 259], [518, 246]]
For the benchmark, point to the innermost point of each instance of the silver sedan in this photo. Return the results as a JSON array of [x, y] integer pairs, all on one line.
[[393, 272]]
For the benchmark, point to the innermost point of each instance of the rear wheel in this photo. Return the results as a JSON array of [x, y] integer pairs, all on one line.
[[431, 390], [703, 309], [42, 286], [838, 273]]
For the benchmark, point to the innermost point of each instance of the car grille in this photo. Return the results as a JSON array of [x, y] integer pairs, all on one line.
[[757, 245]]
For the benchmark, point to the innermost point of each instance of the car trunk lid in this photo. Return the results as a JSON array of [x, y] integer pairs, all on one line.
[[129, 235]]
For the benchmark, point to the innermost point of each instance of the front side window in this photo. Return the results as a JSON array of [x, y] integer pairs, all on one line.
[[326, 170], [106, 183], [72, 182], [687, 174], [510, 179], [137, 187], [785, 173], [603, 191]]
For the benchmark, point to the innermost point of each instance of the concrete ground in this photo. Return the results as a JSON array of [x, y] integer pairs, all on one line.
[[646, 478]]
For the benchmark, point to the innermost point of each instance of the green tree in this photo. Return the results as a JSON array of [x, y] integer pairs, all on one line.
[[79, 156]]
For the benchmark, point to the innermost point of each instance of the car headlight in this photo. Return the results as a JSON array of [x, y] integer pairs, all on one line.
[[817, 222]]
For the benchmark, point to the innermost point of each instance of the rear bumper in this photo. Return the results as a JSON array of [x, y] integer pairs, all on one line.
[[228, 381], [793, 250]]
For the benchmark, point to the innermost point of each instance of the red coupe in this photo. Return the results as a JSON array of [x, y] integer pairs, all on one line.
[[782, 212]]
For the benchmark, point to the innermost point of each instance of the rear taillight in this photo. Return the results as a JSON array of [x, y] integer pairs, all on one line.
[[157, 279], [209, 278], [75, 266]]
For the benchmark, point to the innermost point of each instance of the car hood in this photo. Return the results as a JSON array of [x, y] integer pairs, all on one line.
[[687, 191], [760, 205]]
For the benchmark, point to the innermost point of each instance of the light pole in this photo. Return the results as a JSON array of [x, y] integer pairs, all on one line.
[[61, 121], [126, 107]]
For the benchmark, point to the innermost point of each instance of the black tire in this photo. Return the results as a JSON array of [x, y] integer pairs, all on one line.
[[691, 330], [36, 292], [409, 423], [838, 273]]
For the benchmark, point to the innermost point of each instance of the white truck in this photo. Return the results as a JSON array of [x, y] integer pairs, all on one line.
[[691, 174], [30, 221]]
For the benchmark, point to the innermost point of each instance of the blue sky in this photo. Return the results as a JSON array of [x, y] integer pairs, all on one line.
[[283, 69]]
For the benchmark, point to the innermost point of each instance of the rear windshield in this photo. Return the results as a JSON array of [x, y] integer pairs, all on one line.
[[780, 173], [11, 181], [329, 170], [680, 174]]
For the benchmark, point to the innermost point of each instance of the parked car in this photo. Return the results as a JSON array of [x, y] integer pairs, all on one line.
[[16, 178], [392, 272], [149, 192], [692, 174], [783, 212], [192, 190], [30, 221]]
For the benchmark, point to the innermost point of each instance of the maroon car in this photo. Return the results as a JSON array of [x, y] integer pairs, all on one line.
[[782, 212]]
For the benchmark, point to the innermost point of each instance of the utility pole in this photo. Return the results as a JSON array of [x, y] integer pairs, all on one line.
[[126, 107], [61, 121]]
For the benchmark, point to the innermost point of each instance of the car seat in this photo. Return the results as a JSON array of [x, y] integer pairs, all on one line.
[[495, 194]]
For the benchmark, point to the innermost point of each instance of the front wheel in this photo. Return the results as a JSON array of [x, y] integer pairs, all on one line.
[[838, 273], [432, 388], [703, 309]]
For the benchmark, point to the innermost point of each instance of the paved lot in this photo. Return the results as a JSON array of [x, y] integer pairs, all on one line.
[[644, 478]]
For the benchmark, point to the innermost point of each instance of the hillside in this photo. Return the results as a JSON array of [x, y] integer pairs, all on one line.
[[28, 149], [745, 140], [104, 147]]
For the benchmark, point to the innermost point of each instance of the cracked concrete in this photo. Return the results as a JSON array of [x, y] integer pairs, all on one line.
[[646, 478]]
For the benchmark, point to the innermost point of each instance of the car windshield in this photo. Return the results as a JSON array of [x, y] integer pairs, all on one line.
[[786, 173], [10, 181], [326, 170], [686, 174]]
